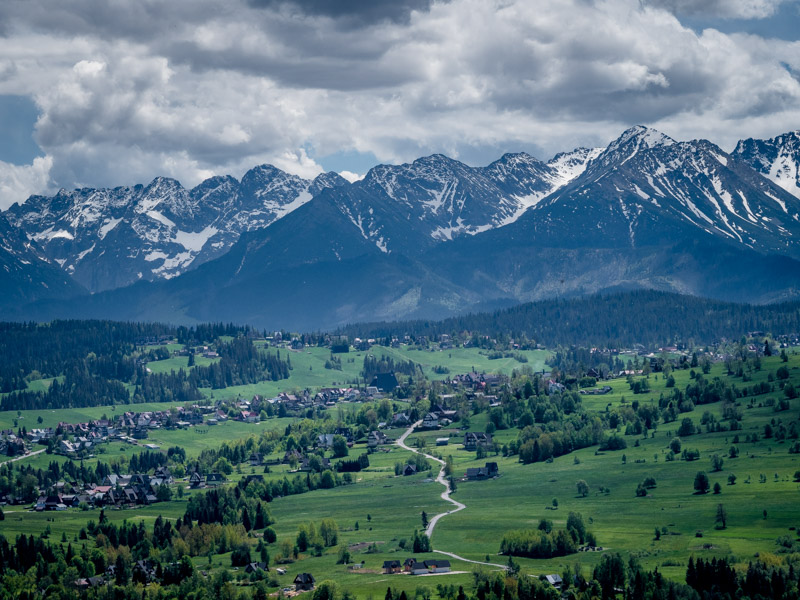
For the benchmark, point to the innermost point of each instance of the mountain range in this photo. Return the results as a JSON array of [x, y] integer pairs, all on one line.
[[428, 239]]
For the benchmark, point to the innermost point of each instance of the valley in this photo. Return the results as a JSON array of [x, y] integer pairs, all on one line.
[[567, 446]]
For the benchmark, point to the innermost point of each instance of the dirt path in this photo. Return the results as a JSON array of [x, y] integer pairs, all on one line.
[[401, 441]]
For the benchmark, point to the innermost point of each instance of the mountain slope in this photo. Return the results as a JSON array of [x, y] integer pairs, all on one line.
[[647, 189], [437, 237], [24, 275], [109, 238], [778, 159]]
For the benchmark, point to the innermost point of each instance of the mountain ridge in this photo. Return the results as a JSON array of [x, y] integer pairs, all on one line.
[[437, 237]]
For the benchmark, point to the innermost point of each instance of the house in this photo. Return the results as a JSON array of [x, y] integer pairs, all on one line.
[[474, 439], [410, 470], [416, 567], [401, 420], [292, 455], [247, 416], [304, 582], [256, 459], [345, 432], [438, 566], [196, 480], [596, 391], [325, 440], [143, 571], [477, 473], [430, 421], [376, 438], [254, 567], [385, 382], [554, 580], [305, 464], [442, 441], [161, 476], [66, 447], [391, 566], [214, 479], [54, 503]]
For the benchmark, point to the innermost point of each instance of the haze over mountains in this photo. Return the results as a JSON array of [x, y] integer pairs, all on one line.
[[427, 239]]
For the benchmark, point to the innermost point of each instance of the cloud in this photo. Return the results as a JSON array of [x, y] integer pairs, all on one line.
[[354, 12], [129, 91], [350, 176], [725, 9], [17, 182]]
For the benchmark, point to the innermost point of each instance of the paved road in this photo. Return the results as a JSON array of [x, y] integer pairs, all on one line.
[[445, 496], [24, 456]]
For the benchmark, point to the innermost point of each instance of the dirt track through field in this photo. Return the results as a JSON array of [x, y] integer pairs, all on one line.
[[401, 441]]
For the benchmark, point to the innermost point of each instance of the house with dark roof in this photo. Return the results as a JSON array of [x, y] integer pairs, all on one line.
[[485, 472], [418, 567], [391, 566], [304, 582], [305, 465], [438, 566], [214, 479], [385, 382], [254, 567]]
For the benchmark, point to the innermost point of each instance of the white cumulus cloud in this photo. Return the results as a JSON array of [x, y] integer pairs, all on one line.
[[187, 90]]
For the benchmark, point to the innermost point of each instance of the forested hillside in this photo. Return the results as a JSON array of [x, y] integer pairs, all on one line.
[[621, 319]]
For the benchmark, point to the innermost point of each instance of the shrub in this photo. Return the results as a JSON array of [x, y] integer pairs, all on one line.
[[614, 442]]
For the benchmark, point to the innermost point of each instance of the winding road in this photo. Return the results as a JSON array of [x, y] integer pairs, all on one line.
[[401, 441]]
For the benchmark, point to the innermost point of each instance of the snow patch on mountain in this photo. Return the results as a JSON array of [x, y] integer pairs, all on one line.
[[194, 241], [568, 166], [107, 227]]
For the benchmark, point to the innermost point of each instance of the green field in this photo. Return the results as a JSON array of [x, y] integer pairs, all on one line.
[[761, 506]]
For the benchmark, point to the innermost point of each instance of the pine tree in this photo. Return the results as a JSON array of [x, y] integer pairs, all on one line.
[[722, 517]]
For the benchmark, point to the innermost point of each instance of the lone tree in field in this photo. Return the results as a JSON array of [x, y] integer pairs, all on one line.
[[716, 463], [722, 517], [583, 488], [701, 483]]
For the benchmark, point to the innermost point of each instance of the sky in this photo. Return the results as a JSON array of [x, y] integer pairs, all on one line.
[[99, 93]]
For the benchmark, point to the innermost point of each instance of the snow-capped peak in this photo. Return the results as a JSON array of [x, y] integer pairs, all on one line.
[[778, 159], [567, 166], [643, 136]]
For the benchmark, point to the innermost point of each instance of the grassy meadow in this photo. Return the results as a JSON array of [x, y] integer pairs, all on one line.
[[382, 509]]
